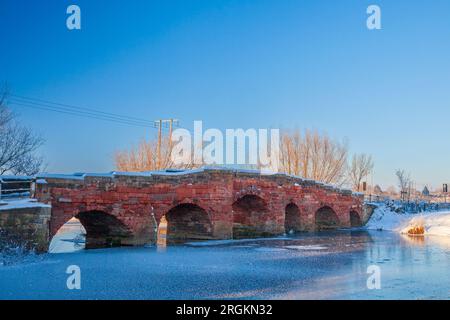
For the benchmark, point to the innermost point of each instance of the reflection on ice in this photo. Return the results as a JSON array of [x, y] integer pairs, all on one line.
[[427, 240], [70, 238]]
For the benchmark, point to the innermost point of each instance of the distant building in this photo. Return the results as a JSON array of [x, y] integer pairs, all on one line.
[[426, 192], [377, 190]]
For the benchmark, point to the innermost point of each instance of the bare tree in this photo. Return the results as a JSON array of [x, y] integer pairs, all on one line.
[[391, 191], [360, 168], [404, 182], [144, 157], [314, 155], [292, 148], [5, 114], [140, 158], [18, 144]]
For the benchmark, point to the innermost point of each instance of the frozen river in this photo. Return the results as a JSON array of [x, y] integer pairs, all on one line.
[[326, 266]]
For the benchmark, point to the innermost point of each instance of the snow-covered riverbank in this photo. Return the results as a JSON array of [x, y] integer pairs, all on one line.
[[433, 223]]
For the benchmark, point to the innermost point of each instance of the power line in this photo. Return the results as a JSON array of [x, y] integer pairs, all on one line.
[[46, 105], [79, 114], [77, 108], [160, 123]]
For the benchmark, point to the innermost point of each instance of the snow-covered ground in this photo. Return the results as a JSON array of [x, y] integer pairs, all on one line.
[[434, 223], [9, 204]]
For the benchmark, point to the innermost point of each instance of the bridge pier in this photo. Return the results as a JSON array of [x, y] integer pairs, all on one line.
[[26, 227]]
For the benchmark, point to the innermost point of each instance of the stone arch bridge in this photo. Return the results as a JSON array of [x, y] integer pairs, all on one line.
[[127, 208]]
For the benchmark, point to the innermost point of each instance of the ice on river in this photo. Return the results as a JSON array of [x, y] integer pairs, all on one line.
[[330, 265]]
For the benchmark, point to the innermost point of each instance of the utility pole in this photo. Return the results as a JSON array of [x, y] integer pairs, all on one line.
[[371, 184], [158, 147], [444, 191], [159, 123]]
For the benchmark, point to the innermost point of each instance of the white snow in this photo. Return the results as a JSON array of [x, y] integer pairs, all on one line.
[[8, 204], [385, 219], [437, 224], [434, 223], [15, 178], [60, 176], [175, 172]]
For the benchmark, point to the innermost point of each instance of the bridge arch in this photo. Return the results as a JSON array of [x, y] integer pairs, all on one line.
[[69, 237], [185, 222], [101, 229], [104, 230], [326, 219], [292, 218], [250, 216], [355, 219]]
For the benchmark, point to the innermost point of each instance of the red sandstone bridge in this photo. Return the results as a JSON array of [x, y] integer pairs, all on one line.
[[209, 203]]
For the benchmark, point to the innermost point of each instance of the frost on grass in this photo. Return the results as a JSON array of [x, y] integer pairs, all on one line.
[[12, 251]]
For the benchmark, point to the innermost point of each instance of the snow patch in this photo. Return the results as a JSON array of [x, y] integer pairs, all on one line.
[[22, 203], [434, 223], [437, 223]]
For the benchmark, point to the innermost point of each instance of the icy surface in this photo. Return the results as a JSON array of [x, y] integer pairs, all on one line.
[[333, 266]]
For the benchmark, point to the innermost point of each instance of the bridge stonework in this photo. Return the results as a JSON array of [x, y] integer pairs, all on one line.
[[126, 209]]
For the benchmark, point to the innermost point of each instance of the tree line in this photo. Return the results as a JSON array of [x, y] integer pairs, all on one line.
[[309, 153]]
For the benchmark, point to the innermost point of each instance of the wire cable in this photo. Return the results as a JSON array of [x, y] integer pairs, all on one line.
[[46, 105]]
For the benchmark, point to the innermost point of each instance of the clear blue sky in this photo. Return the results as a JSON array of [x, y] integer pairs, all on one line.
[[237, 63]]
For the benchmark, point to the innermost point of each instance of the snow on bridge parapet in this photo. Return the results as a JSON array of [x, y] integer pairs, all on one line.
[[176, 175]]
